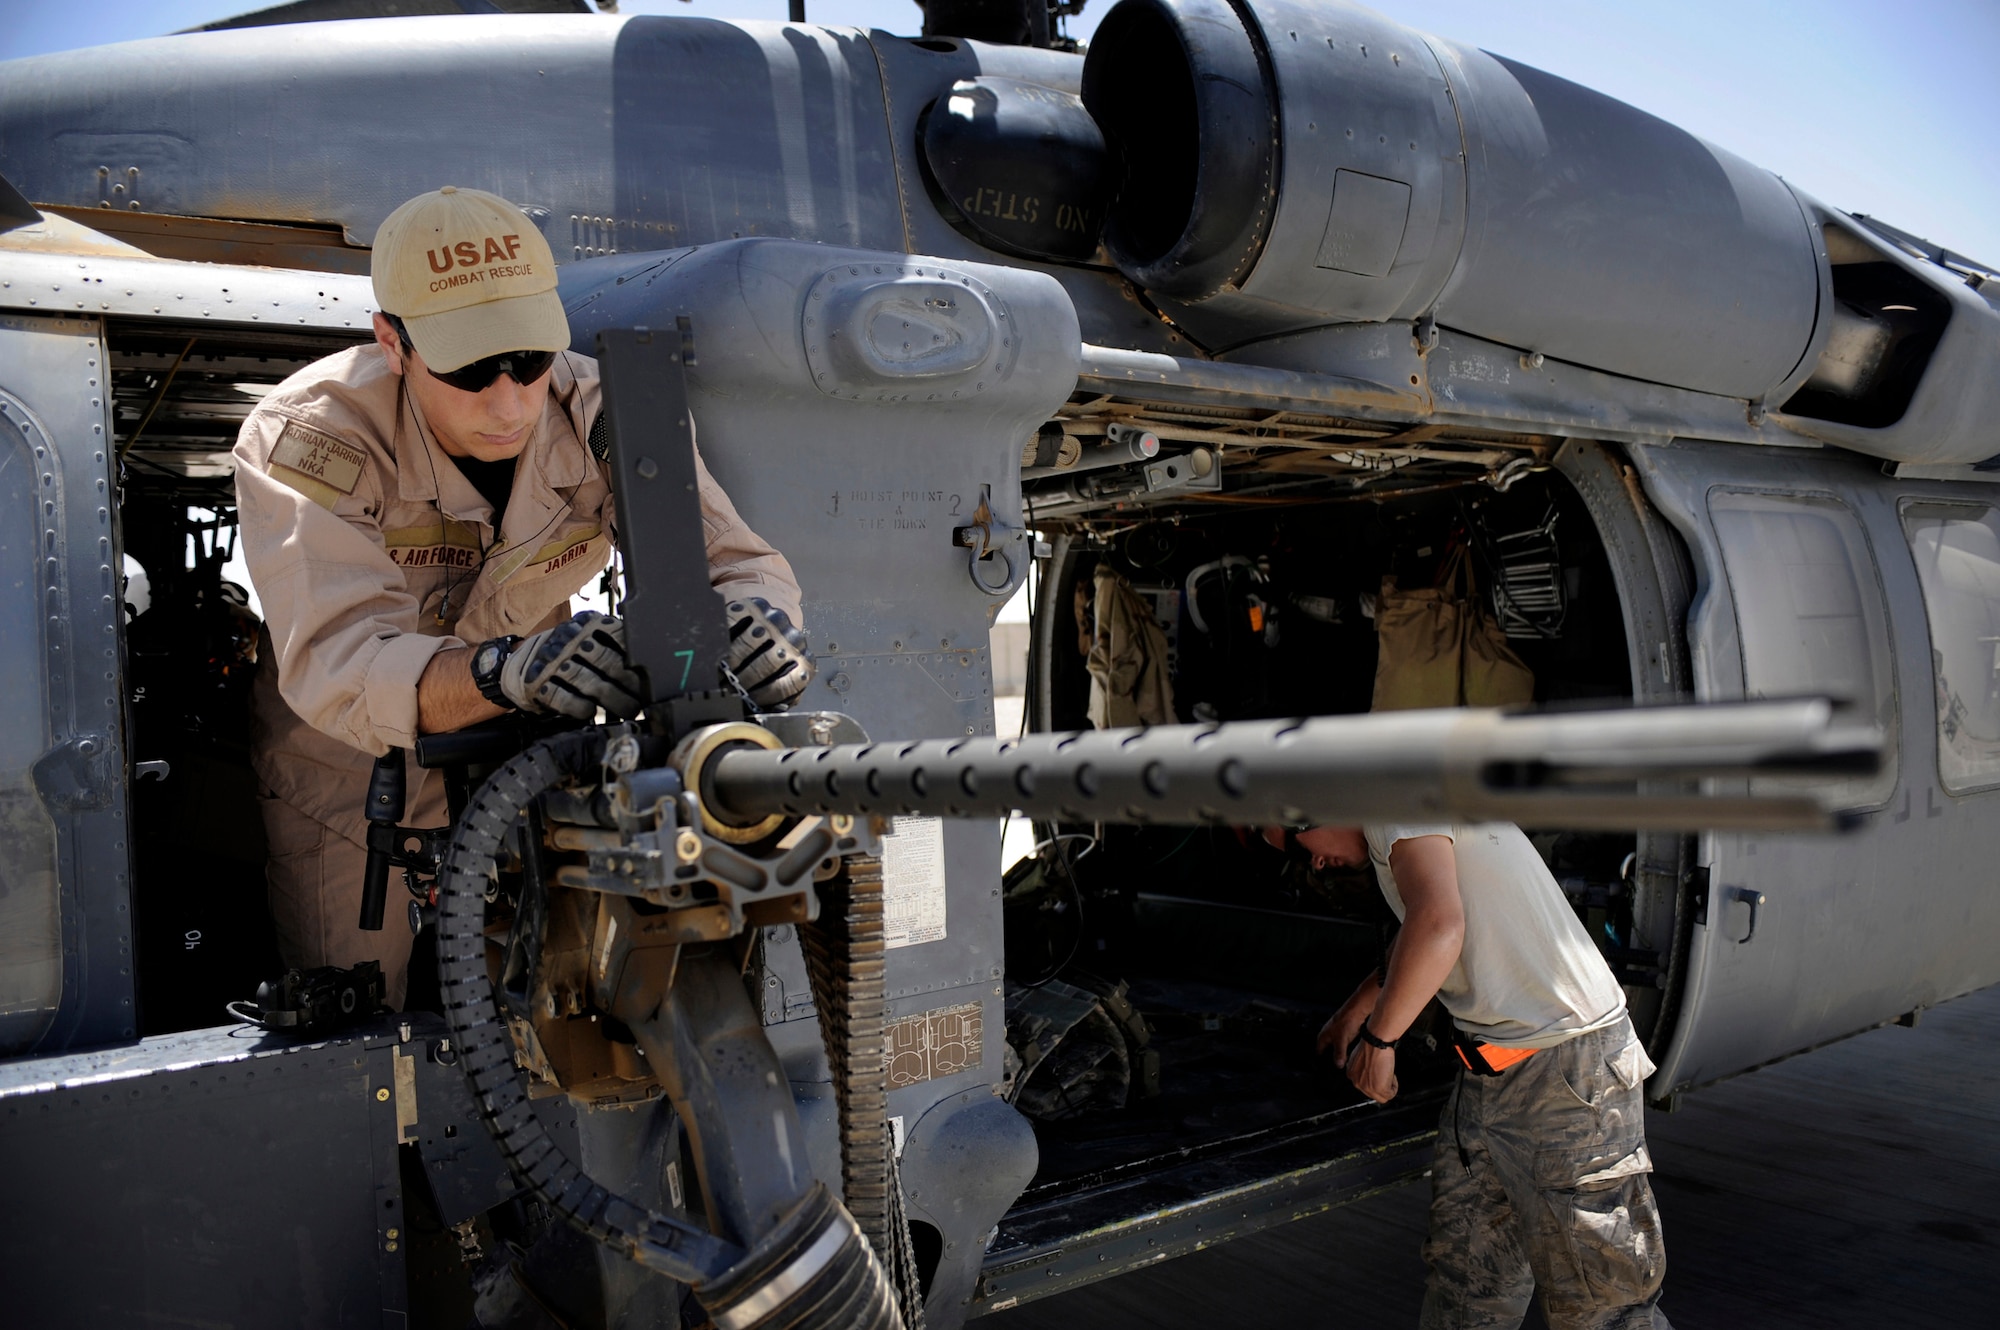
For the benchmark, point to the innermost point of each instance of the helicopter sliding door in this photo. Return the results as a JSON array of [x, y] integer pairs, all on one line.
[[1806, 585], [65, 907]]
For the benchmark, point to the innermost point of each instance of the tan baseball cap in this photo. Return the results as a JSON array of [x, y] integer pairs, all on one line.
[[470, 276]]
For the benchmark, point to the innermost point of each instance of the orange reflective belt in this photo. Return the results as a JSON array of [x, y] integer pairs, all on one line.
[[1496, 1059]]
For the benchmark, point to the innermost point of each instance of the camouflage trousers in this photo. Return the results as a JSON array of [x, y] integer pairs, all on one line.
[[1539, 1181]]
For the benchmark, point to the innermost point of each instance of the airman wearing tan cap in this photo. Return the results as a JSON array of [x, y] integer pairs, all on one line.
[[405, 502]]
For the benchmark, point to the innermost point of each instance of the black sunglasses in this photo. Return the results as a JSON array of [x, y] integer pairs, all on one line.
[[524, 367]]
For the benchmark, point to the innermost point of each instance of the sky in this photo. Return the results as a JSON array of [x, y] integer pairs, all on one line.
[[1889, 110]]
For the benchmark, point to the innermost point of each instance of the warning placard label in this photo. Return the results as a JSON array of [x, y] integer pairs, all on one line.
[[913, 890], [935, 1043]]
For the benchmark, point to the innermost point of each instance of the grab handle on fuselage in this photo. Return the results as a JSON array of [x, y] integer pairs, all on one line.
[[1753, 899]]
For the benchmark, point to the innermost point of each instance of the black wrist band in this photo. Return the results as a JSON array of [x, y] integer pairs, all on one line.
[[487, 659], [1368, 1038]]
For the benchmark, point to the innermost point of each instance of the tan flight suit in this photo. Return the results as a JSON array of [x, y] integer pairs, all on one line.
[[371, 552]]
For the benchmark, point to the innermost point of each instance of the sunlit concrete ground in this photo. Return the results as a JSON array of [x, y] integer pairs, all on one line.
[[1856, 1187]]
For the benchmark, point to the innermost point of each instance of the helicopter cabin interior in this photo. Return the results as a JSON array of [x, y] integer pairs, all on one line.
[[1165, 984]]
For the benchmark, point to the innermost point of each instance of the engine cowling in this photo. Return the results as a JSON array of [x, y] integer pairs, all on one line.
[[1288, 164]]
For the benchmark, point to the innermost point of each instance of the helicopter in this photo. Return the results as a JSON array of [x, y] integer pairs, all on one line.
[[1239, 315]]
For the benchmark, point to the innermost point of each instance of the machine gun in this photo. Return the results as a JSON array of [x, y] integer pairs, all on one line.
[[642, 859]]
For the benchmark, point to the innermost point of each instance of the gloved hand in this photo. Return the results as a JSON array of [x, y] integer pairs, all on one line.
[[574, 668], [767, 653]]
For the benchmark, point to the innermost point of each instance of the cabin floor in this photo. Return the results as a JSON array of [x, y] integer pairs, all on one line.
[[1232, 1065], [1851, 1187]]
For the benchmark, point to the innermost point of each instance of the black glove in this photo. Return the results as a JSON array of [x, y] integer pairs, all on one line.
[[767, 654], [574, 668]]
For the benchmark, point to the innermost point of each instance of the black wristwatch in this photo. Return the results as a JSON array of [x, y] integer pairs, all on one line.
[[1368, 1037], [488, 658]]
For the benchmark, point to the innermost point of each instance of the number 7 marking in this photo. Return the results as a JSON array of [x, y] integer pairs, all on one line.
[[687, 665]]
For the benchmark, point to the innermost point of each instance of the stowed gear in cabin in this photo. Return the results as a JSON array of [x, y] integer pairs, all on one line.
[[1083, 1048], [1237, 626], [1126, 656], [1439, 647]]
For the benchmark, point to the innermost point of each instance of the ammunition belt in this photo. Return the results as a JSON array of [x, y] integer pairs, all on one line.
[[846, 960]]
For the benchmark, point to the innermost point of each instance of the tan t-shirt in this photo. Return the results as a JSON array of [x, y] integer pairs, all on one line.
[[1528, 975]]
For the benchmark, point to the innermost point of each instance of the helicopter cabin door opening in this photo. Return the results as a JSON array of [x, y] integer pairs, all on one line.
[[192, 640], [1165, 984]]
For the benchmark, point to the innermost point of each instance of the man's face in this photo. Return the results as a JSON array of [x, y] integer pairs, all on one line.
[[488, 426], [1330, 847], [1335, 847]]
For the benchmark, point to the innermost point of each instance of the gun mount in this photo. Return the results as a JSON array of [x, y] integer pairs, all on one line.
[[778, 1247]]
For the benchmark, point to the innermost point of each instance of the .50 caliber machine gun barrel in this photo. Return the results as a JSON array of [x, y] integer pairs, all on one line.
[[1614, 770]]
